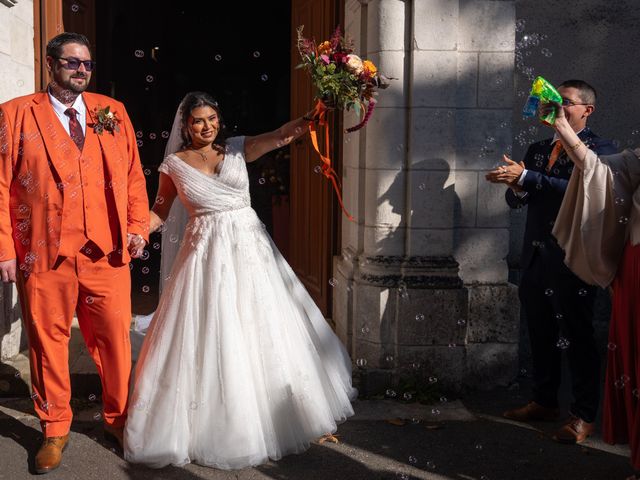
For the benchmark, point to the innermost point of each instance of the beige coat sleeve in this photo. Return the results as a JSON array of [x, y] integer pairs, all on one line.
[[600, 211]]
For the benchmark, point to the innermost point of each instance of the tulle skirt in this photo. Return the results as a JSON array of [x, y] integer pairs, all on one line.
[[238, 365]]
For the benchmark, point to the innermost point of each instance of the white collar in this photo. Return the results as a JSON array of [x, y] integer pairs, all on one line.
[[60, 108]]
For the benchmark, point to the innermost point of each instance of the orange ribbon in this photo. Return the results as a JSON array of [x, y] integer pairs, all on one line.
[[320, 113]]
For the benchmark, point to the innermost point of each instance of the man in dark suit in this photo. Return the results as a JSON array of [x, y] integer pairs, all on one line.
[[558, 305]]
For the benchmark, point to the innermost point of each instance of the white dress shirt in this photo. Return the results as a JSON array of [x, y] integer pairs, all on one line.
[[79, 107]]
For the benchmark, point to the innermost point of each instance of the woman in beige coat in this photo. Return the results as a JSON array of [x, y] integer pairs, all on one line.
[[598, 227]]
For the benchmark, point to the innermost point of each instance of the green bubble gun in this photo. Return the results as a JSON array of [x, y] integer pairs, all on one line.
[[541, 92]]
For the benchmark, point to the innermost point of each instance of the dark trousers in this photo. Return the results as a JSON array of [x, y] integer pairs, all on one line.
[[559, 310]]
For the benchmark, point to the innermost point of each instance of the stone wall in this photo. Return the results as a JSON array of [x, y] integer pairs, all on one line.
[[17, 67], [424, 272]]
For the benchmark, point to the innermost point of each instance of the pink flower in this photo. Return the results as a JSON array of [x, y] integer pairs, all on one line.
[[325, 59]]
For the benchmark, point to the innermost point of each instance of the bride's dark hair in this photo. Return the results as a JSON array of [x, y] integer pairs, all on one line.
[[193, 100]]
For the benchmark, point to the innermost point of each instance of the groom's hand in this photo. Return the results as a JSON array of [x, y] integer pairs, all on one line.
[[135, 244], [8, 270]]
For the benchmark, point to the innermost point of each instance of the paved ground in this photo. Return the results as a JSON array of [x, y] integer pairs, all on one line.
[[461, 439]]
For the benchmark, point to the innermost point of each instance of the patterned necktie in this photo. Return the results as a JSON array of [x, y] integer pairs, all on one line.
[[555, 153], [75, 130]]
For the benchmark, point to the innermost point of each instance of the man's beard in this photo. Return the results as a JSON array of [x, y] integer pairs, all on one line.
[[72, 87]]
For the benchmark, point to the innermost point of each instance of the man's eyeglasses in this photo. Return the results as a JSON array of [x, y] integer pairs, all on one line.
[[74, 63], [570, 103]]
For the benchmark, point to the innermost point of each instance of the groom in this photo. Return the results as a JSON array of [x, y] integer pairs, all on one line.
[[73, 211]]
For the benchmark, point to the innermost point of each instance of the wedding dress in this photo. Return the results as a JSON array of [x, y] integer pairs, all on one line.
[[238, 365]]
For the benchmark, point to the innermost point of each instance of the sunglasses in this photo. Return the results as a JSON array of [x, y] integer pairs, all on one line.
[[74, 63], [570, 103]]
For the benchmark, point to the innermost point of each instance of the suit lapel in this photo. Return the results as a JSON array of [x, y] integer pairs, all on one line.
[[62, 151], [106, 141]]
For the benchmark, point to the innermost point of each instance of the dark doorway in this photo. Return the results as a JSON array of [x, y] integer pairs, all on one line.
[[150, 54]]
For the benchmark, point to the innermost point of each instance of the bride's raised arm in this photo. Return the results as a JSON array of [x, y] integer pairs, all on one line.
[[164, 199], [256, 146]]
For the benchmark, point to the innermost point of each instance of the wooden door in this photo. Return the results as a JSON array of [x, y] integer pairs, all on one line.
[[313, 232]]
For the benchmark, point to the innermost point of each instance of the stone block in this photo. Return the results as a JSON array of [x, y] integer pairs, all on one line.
[[12, 336], [23, 10], [481, 253], [433, 138], [494, 314], [373, 354], [353, 22], [388, 17], [11, 343], [375, 314], [380, 240], [466, 188], [350, 196], [431, 241], [432, 317], [486, 26], [495, 79], [6, 18], [467, 90], [493, 211], [435, 78], [385, 143], [351, 142], [22, 42], [341, 305], [433, 199], [490, 365], [391, 65], [385, 200], [435, 24], [17, 79], [482, 136], [445, 365]]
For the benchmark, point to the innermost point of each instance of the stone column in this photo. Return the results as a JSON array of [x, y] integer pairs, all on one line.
[[16, 65], [422, 278]]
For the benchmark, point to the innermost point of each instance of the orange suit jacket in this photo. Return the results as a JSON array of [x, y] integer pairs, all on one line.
[[37, 155]]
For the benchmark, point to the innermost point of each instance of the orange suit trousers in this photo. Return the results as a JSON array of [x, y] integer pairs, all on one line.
[[100, 295]]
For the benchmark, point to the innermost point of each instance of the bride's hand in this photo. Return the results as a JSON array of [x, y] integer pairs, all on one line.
[[135, 245]]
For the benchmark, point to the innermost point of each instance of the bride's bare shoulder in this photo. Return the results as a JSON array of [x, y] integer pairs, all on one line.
[[181, 154]]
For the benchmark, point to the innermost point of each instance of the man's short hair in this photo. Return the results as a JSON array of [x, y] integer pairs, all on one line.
[[587, 92], [54, 47]]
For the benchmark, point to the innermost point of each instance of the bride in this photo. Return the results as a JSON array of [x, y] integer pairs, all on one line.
[[238, 364]]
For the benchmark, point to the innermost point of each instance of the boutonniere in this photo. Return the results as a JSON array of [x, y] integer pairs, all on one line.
[[105, 120]]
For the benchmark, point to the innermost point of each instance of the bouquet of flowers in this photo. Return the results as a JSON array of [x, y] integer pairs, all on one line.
[[342, 79]]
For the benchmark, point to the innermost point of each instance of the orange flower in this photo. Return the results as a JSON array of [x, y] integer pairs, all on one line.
[[369, 68], [324, 48]]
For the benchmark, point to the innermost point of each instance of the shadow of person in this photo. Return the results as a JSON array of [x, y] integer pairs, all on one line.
[[11, 382], [417, 208], [322, 462], [414, 240], [26, 436]]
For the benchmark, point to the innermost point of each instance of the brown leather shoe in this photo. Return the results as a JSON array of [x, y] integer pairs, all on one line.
[[575, 430], [114, 434], [49, 456], [532, 411]]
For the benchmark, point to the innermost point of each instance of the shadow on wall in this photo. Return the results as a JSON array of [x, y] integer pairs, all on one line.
[[429, 218]]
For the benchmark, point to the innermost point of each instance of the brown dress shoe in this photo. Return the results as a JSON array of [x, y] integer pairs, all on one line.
[[532, 411], [575, 430], [114, 434], [49, 456]]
